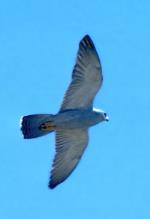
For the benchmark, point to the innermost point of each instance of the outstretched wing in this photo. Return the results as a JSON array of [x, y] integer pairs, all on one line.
[[70, 145], [86, 77]]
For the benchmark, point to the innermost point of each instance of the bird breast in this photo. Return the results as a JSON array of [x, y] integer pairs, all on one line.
[[75, 119]]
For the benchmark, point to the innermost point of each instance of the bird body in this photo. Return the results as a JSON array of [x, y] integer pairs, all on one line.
[[75, 116]]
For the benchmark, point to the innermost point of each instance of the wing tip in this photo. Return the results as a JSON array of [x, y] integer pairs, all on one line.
[[87, 36], [87, 41], [52, 185]]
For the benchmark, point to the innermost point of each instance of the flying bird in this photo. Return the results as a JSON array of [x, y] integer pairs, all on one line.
[[75, 116]]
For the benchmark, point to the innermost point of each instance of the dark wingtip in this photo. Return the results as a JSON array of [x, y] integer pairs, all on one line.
[[87, 41], [51, 185], [87, 36]]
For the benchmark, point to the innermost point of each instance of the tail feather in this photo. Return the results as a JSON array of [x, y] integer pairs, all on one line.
[[33, 126]]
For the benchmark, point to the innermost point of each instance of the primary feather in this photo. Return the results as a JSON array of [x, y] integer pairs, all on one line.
[[70, 145], [86, 77]]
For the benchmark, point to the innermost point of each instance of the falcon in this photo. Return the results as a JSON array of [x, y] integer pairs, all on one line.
[[75, 115]]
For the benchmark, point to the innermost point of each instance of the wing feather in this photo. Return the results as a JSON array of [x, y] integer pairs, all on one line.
[[70, 145], [86, 77]]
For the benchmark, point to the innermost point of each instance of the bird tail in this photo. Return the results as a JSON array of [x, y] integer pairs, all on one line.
[[37, 125]]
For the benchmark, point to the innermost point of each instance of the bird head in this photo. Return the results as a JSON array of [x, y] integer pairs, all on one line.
[[102, 115]]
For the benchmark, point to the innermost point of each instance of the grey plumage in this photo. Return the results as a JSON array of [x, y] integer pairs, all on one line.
[[75, 116], [70, 145], [86, 77]]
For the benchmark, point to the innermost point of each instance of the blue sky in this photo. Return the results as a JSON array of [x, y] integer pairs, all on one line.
[[38, 45]]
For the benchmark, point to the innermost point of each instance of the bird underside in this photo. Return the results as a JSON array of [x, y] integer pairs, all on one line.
[[47, 126]]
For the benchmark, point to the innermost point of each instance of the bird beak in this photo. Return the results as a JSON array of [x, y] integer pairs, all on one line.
[[107, 118]]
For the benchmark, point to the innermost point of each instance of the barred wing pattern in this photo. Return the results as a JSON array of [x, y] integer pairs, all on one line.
[[70, 145], [86, 77]]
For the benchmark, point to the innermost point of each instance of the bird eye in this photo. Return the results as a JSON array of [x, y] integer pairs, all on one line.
[[105, 114]]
